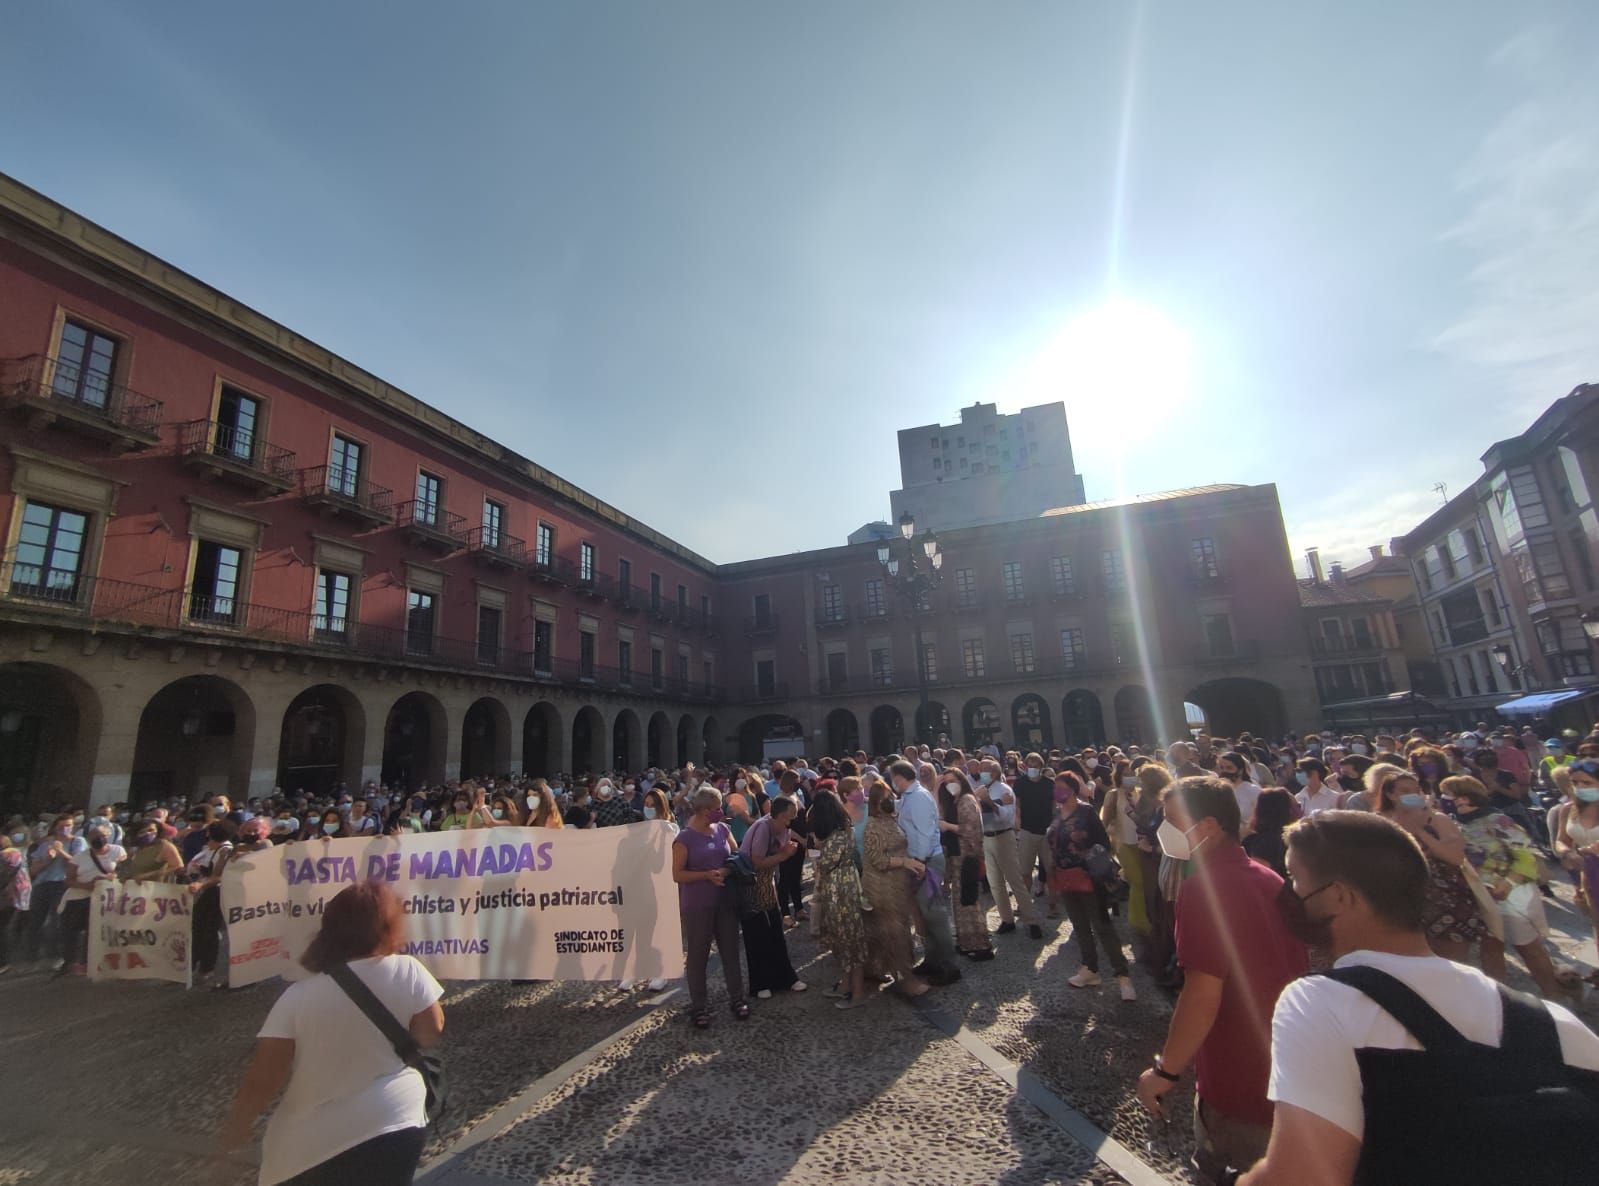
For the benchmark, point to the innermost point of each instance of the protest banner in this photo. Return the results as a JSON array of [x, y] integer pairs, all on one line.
[[481, 904], [139, 930]]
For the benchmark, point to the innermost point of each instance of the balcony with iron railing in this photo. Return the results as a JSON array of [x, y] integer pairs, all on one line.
[[496, 549], [49, 392], [1345, 648], [594, 585], [33, 593], [240, 456], [628, 599], [425, 522], [337, 490], [868, 611], [757, 693], [761, 625], [832, 617], [662, 610], [553, 570]]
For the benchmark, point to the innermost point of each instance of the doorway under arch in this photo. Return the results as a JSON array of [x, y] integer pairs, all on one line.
[[980, 719], [415, 738], [195, 739], [1030, 727], [627, 742], [588, 741], [843, 733], [49, 732], [1236, 704], [323, 738], [1082, 719], [887, 728], [1135, 714], [541, 740]]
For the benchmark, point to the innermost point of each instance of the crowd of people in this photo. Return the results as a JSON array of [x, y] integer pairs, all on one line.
[[1233, 865]]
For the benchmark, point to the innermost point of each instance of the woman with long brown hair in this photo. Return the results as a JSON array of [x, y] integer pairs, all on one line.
[[542, 809], [1451, 917], [351, 1110]]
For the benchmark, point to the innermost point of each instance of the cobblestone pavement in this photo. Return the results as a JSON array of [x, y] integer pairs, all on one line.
[[125, 1083]]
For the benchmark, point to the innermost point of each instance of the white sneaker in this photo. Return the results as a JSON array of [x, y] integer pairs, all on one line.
[[1085, 979], [1126, 982], [764, 995], [656, 985], [798, 986]]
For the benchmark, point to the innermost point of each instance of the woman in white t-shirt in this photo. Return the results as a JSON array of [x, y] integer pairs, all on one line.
[[97, 862], [352, 1111]]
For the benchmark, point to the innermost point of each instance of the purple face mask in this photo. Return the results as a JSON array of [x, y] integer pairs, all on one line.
[[714, 816]]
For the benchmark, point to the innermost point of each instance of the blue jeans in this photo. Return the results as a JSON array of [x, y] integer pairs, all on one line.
[[42, 915]]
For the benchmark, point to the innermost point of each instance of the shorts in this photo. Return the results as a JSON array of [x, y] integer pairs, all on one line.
[[1524, 917]]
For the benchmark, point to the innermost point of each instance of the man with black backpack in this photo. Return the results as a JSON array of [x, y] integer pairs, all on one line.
[[1400, 1066]]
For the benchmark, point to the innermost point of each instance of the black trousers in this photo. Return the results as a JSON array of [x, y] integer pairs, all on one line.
[[1090, 915], [790, 884], [75, 931], [207, 943], [766, 953], [8, 919], [388, 1160]]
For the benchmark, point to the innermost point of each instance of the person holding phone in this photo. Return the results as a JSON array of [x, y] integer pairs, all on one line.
[[768, 844]]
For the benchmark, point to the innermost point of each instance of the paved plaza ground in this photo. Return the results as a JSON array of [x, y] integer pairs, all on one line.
[[1006, 1077]]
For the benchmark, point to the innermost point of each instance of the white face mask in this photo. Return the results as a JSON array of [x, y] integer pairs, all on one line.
[[1302, 778], [629, 788], [985, 778], [533, 802], [649, 812], [1359, 749], [1092, 763], [1174, 841], [740, 784], [1129, 782], [1034, 772]]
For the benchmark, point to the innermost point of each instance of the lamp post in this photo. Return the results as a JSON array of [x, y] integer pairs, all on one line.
[[912, 580], [1506, 659]]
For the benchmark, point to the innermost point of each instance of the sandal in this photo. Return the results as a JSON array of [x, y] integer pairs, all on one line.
[[742, 1011], [701, 1020]]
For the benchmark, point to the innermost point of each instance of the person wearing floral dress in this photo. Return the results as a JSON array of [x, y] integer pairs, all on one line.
[[15, 888], [971, 917], [839, 924], [887, 874]]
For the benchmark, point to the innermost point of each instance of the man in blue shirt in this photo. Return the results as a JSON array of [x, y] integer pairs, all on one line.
[[917, 815]]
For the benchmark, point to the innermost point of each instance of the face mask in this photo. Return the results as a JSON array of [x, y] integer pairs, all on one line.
[[650, 813], [1414, 801], [1129, 782], [1092, 763], [1587, 794], [985, 778], [628, 788], [1034, 772], [714, 816], [1302, 778], [1358, 749], [97, 841], [143, 841], [460, 809], [19, 838], [532, 802], [331, 827], [602, 794], [740, 784], [1173, 841], [498, 813], [1312, 932]]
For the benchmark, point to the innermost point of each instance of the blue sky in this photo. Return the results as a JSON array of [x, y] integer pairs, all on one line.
[[704, 259]]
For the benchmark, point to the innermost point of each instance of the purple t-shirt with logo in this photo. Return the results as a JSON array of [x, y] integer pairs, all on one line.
[[706, 851]]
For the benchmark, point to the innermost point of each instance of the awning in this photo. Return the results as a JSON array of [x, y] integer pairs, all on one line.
[[1540, 703]]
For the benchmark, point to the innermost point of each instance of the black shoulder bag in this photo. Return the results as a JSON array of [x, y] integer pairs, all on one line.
[[427, 1063]]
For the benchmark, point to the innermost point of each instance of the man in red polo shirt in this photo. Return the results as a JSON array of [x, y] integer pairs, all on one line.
[[1236, 954]]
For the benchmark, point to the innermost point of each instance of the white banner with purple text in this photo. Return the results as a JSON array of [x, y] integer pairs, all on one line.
[[480, 904], [139, 930]]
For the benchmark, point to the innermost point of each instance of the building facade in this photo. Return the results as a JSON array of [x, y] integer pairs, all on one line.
[[234, 560], [1088, 623], [988, 468], [1355, 648], [1505, 572]]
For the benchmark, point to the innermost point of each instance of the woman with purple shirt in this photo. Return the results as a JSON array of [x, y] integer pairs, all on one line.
[[710, 912]]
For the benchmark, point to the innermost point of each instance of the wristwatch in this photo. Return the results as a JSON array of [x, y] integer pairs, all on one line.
[[1159, 1067]]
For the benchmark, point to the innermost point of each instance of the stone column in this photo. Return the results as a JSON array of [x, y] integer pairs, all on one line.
[[111, 765]]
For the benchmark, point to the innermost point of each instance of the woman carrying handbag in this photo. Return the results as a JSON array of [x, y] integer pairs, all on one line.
[[1083, 874], [354, 1109]]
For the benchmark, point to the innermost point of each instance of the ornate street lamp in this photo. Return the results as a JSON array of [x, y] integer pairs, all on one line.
[[1590, 625], [913, 577]]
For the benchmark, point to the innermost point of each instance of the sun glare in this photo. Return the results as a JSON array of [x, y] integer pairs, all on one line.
[[1118, 366]]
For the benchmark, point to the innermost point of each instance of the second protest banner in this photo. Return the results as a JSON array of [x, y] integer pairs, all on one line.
[[481, 904]]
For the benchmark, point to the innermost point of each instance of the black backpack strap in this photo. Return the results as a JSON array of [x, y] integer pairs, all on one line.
[[405, 1047], [1529, 1033], [1403, 1004]]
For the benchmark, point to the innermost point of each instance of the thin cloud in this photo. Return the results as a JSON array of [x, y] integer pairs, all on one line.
[[1345, 526], [1532, 228]]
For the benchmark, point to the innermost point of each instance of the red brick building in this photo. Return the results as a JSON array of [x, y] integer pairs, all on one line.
[[235, 560]]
